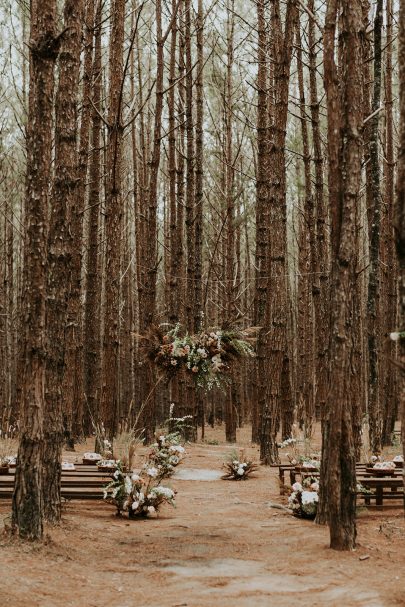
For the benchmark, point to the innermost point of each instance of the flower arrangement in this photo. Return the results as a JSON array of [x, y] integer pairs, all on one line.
[[166, 453], [138, 494], [398, 461], [206, 356], [91, 458], [108, 465], [389, 466], [238, 468], [303, 500], [287, 442], [307, 462]]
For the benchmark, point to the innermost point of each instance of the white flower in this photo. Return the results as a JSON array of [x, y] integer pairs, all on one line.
[[152, 472], [135, 478], [164, 491], [297, 487], [151, 509], [135, 505], [176, 449], [315, 486], [309, 497], [395, 336], [128, 485], [116, 474], [240, 471]]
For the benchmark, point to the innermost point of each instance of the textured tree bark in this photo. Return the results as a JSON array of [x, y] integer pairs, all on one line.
[[199, 197], [27, 513], [75, 409], [262, 210], [276, 318], [400, 198], [59, 268], [373, 299], [92, 329], [331, 83], [339, 471], [321, 248], [148, 303], [390, 384], [113, 223], [306, 251]]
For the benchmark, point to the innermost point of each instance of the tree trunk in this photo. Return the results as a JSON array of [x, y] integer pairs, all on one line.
[[400, 199], [113, 223], [373, 300], [91, 337], [339, 472], [27, 514], [59, 252]]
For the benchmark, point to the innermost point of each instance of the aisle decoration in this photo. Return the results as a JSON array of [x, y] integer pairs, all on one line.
[[206, 356], [138, 494], [91, 458], [166, 453], [303, 500], [238, 468], [398, 461]]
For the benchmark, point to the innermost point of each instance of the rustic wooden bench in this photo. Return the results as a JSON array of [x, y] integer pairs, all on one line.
[[384, 488]]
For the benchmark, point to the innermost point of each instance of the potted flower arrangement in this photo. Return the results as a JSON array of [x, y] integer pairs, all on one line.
[[238, 468], [138, 494], [303, 500]]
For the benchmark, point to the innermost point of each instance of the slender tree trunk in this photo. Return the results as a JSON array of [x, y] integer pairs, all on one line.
[[262, 223], [276, 308], [92, 329], [373, 300], [306, 251], [28, 492], [400, 200], [59, 252], [320, 252], [389, 388], [339, 452], [113, 223], [72, 392]]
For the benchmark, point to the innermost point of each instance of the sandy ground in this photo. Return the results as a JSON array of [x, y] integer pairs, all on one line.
[[224, 545]]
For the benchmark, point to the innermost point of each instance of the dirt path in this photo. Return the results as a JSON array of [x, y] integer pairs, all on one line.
[[222, 545]]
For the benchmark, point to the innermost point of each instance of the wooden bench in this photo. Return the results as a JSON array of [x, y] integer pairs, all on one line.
[[85, 483], [68, 493], [385, 488]]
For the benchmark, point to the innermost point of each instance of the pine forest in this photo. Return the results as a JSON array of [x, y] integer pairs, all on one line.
[[202, 262]]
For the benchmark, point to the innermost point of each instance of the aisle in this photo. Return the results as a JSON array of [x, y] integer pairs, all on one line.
[[222, 545]]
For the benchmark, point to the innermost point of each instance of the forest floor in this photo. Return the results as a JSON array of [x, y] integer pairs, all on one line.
[[224, 545]]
